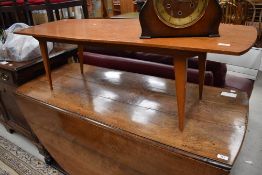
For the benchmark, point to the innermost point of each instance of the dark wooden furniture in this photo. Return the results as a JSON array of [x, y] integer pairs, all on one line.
[[11, 11], [119, 7], [15, 74], [55, 6], [116, 7], [122, 6], [238, 12], [111, 122], [113, 33], [52, 8]]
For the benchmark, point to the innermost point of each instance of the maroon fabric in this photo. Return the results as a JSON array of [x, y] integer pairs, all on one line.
[[33, 2], [109, 51], [162, 66], [152, 57], [36, 2], [141, 67], [9, 3], [239, 83], [219, 70]]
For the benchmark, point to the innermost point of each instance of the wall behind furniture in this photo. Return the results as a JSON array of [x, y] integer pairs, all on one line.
[[246, 65]]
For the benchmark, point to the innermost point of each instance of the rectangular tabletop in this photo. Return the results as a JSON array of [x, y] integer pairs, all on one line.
[[234, 39], [141, 106]]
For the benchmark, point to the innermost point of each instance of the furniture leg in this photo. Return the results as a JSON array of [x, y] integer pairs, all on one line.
[[104, 5], [50, 15], [9, 129], [201, 76], [2, 24], [85, 10], [28, 17], [44, 52], [57, 14], [259, 24], [81, 57], [180, 63]]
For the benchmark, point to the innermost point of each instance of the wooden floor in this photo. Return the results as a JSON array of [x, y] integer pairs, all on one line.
[[138, 107]]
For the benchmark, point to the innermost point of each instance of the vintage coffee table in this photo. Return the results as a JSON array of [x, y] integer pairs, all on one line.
[[124, 34]]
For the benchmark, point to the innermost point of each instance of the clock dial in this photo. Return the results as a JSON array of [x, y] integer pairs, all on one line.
[[180, 13]]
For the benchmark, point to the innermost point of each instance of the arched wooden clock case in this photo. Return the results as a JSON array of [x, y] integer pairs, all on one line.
[[153, 26]]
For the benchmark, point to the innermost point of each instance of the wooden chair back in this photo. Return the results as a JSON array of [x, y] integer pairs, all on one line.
[[54, 8], [238, 12], [65, 4], [11, 11]]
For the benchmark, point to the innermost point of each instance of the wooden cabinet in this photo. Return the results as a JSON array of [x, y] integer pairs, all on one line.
[[12, 75], [116, 7], [127, 6], [123, 6], [13, 117]]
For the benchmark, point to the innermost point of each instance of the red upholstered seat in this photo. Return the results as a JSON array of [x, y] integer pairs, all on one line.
[[33, 2], [162, 66], [21, 10], [9, 3], [36, 2]]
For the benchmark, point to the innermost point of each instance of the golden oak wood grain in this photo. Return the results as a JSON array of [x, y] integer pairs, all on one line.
[[120, 119], [83, 147], [44, 52], [126, 32], [181, 76], [127, 6]]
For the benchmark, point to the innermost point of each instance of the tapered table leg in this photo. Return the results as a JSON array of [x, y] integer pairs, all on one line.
[[180, 63], [44, 52], [202, 68], [81, 57]]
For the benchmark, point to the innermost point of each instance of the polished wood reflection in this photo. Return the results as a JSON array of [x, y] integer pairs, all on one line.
[[114, 122]]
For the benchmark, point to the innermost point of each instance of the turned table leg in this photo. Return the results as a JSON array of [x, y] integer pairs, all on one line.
[[44, 52], [180, 63], [202, 68], [81, 57]]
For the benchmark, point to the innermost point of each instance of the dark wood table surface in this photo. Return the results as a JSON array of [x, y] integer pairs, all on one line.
[[112, 122], [125, 33]]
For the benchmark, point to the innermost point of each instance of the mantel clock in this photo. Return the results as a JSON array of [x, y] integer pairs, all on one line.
[[180, 18]]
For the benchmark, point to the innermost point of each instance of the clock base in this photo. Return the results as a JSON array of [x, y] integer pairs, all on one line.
[[149, 37], [145, 37], [214, 35]]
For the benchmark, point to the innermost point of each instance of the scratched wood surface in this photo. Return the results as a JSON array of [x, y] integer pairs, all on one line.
[[126, 32], [143, 107]]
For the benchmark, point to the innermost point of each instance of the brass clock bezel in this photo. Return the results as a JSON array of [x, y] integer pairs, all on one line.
[[180, 26]]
